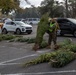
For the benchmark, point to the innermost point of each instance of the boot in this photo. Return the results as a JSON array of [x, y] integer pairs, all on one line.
[[56, 47], [36, 47]]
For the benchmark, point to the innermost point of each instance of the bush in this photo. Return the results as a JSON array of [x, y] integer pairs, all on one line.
[[21, 39], [41, 59], [65, 43], [56, 59], [12, 40], [62, 58], [7, 37], [31, 40], [72, 47]]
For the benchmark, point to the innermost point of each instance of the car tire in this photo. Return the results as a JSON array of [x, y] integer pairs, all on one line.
[[74, 33], [4, 31], [18, 31]]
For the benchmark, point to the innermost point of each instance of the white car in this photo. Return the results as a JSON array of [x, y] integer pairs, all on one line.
[[33, 21], [16, 26]]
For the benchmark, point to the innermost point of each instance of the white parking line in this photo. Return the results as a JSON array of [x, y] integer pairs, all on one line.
[[10, 64], [37, 54], [18, 59], [45, 73]]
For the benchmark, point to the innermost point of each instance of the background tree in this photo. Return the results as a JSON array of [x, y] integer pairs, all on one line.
[[72, 8], [52, 7], [7, 6], [69, 8], [28, 13]]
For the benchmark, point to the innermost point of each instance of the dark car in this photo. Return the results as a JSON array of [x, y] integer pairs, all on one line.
[[67, 26]]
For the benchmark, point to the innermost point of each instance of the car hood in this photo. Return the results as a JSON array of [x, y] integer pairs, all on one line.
[[26, 25]]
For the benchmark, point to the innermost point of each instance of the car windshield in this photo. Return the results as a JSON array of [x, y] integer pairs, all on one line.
[[19, 23], [72, 20]]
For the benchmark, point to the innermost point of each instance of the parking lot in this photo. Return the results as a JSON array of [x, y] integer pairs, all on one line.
[[14, 54]]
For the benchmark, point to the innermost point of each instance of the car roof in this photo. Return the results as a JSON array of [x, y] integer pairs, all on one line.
[[17, 21], [63, 18]]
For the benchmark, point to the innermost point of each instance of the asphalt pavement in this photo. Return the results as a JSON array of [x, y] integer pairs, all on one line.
[[14, 54]]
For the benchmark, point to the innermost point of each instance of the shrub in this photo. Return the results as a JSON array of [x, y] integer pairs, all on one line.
[[21, 39], [31, 40], [72, 47], [7, 37], [62, 58], [41, 59], [12, 40], [57, 59], [65, 43]]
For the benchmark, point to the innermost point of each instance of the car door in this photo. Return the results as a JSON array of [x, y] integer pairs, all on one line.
[[65, 26], [13, 26], [10, 26]]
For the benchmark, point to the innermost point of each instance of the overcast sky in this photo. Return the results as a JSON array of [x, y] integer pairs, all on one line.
[[33, 2]]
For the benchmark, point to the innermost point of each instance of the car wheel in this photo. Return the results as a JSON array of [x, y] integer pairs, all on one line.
[[4, 31], [18, 31], [74, 34]]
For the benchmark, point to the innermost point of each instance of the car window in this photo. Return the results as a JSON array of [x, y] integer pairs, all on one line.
[[34, 19], [30, 19], [10, 23], [19, 23], [63, 21]]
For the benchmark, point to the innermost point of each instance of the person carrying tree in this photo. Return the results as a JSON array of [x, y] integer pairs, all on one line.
[[52, 31]]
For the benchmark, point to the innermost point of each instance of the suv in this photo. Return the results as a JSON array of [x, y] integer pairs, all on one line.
[[67, 26], [16, 26], [32, 21]]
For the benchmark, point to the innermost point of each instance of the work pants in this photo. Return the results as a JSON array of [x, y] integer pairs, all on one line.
[[52, 37]]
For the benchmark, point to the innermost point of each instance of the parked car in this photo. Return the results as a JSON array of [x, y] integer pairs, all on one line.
[[33, 21], [19, 19], [67, 26], [16, 26]]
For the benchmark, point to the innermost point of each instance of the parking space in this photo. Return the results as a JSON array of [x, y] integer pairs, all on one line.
[[14, 54]]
